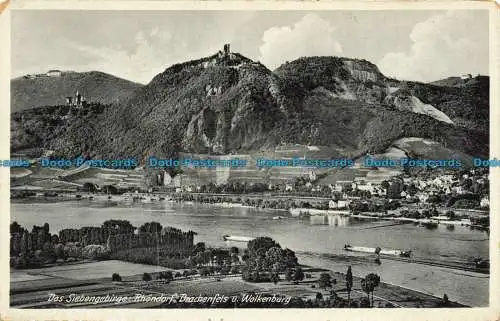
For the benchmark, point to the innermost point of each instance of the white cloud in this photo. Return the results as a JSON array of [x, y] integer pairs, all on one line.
[[311, 36], [442, 47], [140, 65]]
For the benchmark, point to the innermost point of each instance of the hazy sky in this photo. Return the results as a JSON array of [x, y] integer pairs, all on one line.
[[137, 45]]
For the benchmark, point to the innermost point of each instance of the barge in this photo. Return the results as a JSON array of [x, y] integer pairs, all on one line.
[[377, 250]]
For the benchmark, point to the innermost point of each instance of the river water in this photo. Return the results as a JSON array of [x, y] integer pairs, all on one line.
[[316, 240]]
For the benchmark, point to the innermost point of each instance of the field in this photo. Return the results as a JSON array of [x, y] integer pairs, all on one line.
[[93, 270], [33, 288]]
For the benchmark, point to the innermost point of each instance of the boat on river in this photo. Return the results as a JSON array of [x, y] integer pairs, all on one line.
[[236, 238], [377, 250]]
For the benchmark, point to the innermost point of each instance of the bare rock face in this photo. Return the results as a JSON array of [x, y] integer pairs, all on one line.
[[406, 102], [238, 109], [362, 71]]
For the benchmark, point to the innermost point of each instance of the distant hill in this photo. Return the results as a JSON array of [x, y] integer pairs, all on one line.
[[227, 103], [465, 102], [458, 81], [27, 93]]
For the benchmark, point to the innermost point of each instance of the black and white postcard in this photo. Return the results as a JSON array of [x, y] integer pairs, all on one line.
[[234, 156]]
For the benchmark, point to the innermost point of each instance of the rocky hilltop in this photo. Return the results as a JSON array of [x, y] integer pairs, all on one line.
[[52, 88], [227, 103]]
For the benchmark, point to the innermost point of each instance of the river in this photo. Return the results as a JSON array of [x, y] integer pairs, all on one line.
[[315, 240]]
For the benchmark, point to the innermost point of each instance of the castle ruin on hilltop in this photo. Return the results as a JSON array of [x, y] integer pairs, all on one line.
[[77, 101]]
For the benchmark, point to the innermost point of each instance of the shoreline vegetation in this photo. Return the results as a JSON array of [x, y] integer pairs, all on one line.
[[262, 275], [427, 215]]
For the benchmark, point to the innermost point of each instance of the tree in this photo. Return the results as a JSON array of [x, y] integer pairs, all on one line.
[[110, 189], [166, 275], [348, 281], [273, 259], [466, 183], [412, 189], [89, 187], [235, 270], [395, 189], [59, 251], [119, 226], [365, 288], [146, 277], [288, 274], [364, 303], [426, 214], [275, 277], [385, 185], [289, 258], [369, 284], [298, 275], [446, 301], [325, 281], [204, 271], [261, 243], [116, 277], [151, 227], [16, 228], [199, 247]]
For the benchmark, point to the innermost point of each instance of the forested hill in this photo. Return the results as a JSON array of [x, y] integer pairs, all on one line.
[[227, 103], [41, 90]]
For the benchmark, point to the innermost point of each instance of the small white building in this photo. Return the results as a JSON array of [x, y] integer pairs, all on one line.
[[167, 179], [485, 202], [342, 204], [338, 204], [54, 73], [176, 181], [366, 187], [422, 197], [458, 190]]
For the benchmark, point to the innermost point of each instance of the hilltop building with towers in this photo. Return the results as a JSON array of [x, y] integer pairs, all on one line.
[[77, 101]]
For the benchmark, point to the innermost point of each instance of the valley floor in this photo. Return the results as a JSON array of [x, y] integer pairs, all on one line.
[[32, 288]]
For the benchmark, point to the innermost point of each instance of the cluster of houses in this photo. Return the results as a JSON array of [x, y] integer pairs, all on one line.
[[422, 188], [447, 184]]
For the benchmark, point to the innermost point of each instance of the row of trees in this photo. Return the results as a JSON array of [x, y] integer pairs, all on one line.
[[155, 244], [368, 284]]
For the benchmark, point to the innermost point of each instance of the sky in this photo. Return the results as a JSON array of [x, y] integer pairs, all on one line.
[[137, 45]]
